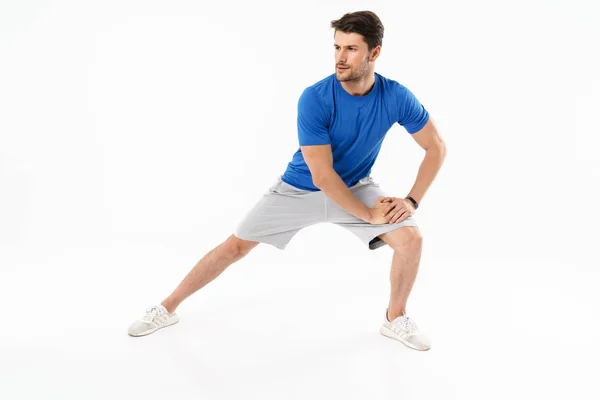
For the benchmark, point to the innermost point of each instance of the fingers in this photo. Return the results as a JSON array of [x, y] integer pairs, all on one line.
[[385, 216], [385, 198], [391, 206], [395, 209], [399, 216], [388, 208]]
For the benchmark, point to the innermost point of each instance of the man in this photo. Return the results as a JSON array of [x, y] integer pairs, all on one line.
[[342, 121]]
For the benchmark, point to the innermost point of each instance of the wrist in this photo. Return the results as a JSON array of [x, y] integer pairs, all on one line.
[[369, 216], [413, 201]]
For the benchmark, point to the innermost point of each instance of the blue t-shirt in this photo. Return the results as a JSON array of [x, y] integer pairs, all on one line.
[[354, 126]]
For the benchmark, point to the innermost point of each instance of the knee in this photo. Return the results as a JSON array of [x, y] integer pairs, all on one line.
[[410, 241], [236, 248]]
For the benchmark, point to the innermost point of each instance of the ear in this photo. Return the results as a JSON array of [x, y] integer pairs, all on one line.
[[375, 53]]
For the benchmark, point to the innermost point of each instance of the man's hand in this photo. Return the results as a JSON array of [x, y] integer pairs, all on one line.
[[379, 211], [399, 209]]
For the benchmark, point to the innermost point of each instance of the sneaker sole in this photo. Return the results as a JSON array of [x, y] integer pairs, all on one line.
[[385, 331], [149, 332]]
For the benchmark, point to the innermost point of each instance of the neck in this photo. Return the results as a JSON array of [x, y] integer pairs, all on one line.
[[360, 87]]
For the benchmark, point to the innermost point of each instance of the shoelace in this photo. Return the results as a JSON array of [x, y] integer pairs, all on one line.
[[151, 313], [407, 324]]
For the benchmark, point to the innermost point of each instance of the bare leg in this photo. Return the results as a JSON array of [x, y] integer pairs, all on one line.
[[407, 243], [208, 268]]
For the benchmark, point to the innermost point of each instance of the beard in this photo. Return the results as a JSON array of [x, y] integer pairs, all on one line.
[[354, 74]]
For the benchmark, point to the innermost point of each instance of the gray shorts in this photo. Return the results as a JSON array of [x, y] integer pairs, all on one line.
[[284, 210]]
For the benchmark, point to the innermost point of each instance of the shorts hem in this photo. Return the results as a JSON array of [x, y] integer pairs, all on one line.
[[374, 242], [260, 240]]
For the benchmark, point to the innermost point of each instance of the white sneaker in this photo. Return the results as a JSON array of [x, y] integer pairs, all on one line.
[[405, 330], [156, 317]]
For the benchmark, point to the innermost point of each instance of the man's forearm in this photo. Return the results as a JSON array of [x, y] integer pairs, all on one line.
[[334, 187], [434, 158]]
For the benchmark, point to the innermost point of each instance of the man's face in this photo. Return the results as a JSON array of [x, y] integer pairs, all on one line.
[[351, 56]]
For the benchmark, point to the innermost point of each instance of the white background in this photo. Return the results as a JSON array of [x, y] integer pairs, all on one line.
[[135, 135]]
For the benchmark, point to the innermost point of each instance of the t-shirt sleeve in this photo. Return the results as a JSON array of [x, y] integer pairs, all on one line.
[[313, 122], [412, 115]]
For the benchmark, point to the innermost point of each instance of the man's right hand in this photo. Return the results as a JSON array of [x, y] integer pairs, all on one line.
[[379, 210]]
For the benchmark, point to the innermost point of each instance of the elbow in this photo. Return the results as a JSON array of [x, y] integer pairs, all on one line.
[[318, 181], [321, 178], [439, 148], [442, 150]]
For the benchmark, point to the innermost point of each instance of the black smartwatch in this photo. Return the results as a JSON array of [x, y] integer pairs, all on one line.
[[413, 201]]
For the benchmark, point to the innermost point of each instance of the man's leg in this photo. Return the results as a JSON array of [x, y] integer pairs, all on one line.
[[208, 268], [407, 243]]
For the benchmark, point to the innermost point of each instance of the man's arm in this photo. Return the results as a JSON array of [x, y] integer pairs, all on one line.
[[435, 152], [315, 144], [320, 162]]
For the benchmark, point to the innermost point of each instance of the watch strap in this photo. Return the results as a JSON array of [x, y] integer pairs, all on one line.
[[413, 201]]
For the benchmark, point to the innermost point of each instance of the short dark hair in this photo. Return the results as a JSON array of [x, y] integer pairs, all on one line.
[[365, 23]]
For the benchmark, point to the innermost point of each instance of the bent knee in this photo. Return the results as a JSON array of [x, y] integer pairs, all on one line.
[[406, 239]]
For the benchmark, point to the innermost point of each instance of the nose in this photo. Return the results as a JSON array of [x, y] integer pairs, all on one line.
[[341, 57]]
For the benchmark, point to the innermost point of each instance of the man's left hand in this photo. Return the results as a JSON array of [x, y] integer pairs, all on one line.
[[400, 210]]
